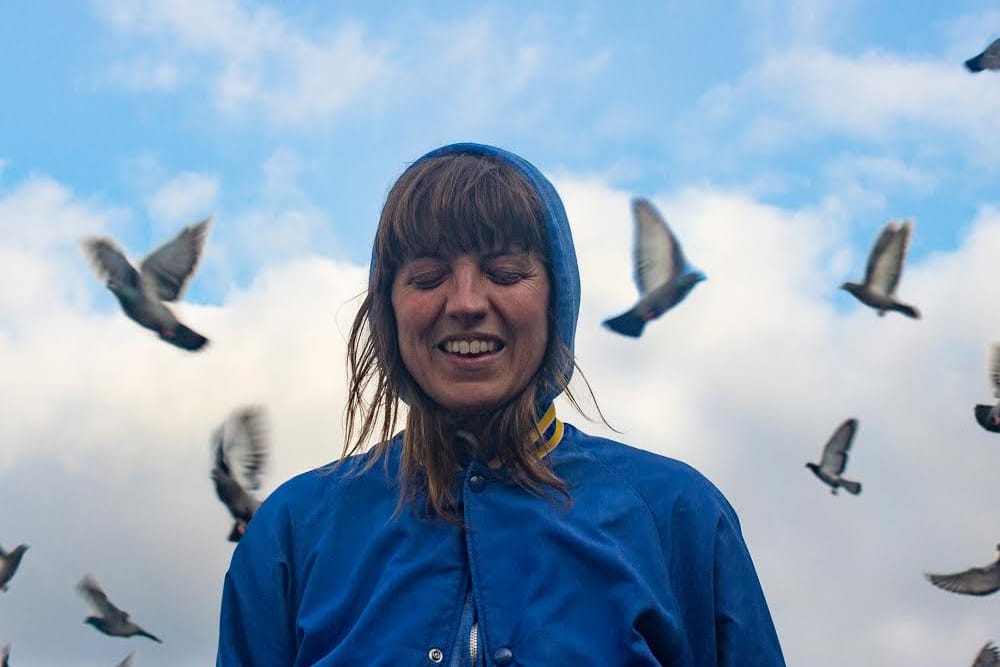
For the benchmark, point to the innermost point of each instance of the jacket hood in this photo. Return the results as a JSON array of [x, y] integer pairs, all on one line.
[[563, 270]]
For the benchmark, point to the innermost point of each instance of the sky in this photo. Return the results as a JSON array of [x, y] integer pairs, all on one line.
[[777, 138]]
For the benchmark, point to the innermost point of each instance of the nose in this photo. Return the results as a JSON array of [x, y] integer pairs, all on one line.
[[467, 299]]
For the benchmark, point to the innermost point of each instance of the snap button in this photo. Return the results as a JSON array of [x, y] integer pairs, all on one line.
[[477, 483], [503, 656], [436, 655]]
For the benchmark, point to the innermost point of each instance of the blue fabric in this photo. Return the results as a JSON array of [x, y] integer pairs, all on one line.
[[646, 567]]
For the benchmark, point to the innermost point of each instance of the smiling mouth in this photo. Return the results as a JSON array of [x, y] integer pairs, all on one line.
[[471, 347]]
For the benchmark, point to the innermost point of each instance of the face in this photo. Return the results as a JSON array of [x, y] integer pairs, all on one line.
[[472, 328]]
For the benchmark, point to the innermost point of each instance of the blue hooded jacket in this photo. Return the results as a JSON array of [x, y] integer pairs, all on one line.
[[645, 567]]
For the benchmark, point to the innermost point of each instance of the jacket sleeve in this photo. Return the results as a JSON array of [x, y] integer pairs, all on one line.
[[257, 618], [745, 634]]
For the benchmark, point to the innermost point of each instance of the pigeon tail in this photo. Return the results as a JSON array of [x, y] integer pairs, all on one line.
[[143, 633], [185, 338], [975, 64], [984, 418], [907, 310], [851, 487], [627, 324], [239, 527]]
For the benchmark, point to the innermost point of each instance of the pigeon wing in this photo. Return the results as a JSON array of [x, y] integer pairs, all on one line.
[[834, 458], [98, 599], [110, 262], [173, 263], [885, 263], [989, 656], [657, 255], [991, 55], [247, 443], [5, 655], [974, 581], [128, 661], [995, 369]]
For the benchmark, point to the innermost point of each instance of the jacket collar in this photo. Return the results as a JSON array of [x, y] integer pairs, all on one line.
[[550, 428]]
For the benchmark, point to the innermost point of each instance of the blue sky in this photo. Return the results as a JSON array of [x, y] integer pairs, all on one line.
[[778, 138]]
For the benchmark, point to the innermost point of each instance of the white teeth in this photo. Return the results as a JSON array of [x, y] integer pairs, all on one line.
[[470, 347]]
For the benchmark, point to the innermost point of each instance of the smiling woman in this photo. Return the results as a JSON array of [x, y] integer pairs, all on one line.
[[492, 533]]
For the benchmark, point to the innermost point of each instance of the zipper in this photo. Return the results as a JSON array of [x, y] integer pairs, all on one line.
[[474, 643], [465, 651]]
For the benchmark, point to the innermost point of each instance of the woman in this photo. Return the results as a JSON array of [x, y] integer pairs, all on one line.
[[488, 532]]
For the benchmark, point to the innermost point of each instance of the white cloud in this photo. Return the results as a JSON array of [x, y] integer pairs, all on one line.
[[745, 380], [146, 76], [868, 181], [41, 223], [810, 22], [879, 98], [184, 197], [249, 57]]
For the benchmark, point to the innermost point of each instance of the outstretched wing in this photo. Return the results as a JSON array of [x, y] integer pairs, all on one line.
[[835, 451], [995, 369], [128, 661], [98, 599], [657, 256], [989, 656], [246, 442], [110, 262], [885, 263], [974, 581], [173, 263]]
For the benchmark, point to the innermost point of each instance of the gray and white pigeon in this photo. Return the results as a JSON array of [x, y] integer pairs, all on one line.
[[988, 416], [885, 267], [974, 581], [662, 273], [240, 449], [5, 655], [989, 58], [110, 620], [988, 656], [161, 277], [128, 661], [9, 562], [834, 459]]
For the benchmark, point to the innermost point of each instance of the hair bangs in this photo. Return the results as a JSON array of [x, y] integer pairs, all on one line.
[[473, 205]]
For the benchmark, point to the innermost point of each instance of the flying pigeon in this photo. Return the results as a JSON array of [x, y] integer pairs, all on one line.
[[974, 581], [111, 620], [988, 59], [5, 655], [239, 452], [127, 662], [161, 277], [9, 562], [662, 273], [988, 416], [885, 266], [989, 656], [834, 459]]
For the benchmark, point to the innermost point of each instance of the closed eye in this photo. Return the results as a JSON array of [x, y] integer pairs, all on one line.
[[427, 280]]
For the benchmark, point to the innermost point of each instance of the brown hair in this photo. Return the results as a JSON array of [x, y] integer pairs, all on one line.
[[452, 203]]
